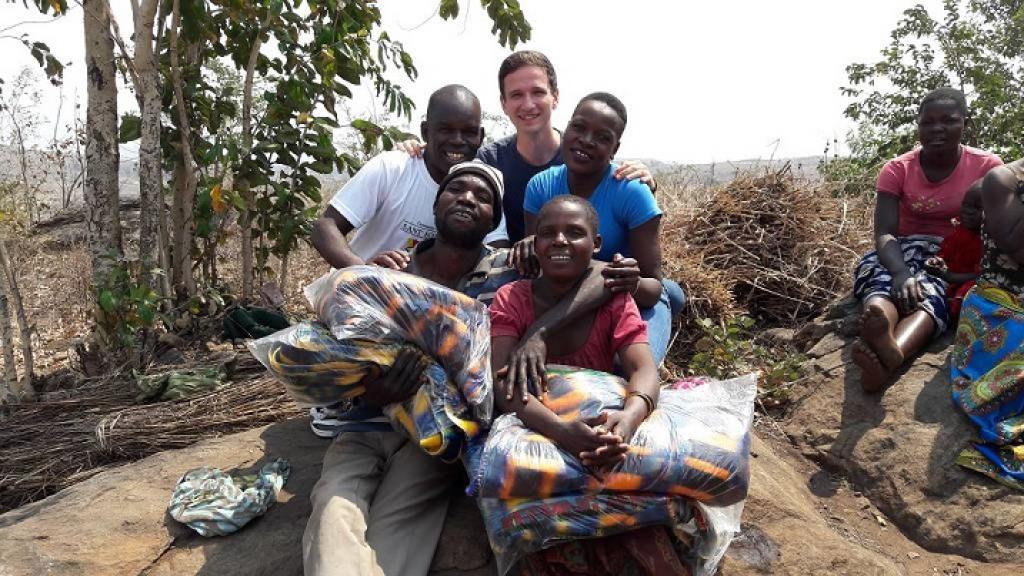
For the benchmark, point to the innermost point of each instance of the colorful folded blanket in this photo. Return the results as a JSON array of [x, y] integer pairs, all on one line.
[[318, 369], [695, 444], [376, 304]]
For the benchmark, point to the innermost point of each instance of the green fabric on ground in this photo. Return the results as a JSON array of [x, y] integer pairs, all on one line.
[[178, 384], [252, 322]]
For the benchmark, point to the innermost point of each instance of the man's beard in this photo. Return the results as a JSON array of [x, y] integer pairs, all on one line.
[[465, 239]]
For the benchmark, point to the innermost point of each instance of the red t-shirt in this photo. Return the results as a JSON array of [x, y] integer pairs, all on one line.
[[617, 324], [962, 250], [927, 207]]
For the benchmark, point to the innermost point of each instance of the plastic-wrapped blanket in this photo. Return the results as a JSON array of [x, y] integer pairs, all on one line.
[[371, 314], [695, 444], [517, 528], [318, 369], [369, 303]]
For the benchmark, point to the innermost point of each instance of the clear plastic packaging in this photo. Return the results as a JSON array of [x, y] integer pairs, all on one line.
[[369, 303], [688, 469], [696, 443]]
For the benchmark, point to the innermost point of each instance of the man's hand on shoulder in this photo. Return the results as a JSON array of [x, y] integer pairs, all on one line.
[[633, 170], [414, 148], [393, 259]]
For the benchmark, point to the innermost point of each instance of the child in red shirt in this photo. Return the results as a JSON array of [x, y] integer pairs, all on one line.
[[565, 241], [958, 261]]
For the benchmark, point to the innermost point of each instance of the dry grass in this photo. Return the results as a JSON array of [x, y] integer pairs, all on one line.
[[768, 245], [47, 446]]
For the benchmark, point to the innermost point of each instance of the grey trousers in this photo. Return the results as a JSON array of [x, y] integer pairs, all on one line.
[[378, 508]]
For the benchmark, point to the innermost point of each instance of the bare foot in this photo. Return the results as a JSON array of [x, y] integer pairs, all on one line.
[[876, 332], [873, 375]]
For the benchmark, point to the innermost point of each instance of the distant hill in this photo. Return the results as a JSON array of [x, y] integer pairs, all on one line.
[[688, 174], [720, 172]]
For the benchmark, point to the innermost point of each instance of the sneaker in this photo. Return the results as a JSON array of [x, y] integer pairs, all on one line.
[[333, 419]]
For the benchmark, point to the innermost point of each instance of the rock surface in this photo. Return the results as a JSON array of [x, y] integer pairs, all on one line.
[[898, 449], [845, 484]]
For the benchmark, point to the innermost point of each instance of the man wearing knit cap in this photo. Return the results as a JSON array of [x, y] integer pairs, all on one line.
[[380, 504]]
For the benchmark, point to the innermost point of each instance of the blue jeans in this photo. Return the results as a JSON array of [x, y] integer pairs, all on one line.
[[659, 318]]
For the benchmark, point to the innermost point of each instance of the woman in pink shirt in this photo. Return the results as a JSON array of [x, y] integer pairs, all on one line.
[[918, 195]]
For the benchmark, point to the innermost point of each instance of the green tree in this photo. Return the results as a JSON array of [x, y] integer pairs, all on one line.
[[975, 46]]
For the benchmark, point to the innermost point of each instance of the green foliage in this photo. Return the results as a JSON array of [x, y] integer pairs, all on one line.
[[728, 350], [125, 305], [975, 47], [853, 175]]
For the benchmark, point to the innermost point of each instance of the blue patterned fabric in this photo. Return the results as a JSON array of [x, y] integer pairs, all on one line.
[[987, 376], [213, 503], [871, 278]]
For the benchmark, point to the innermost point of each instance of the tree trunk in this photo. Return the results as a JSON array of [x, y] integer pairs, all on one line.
[[185, 174], [28, 365], [282, 277], [150, 176], [245, 218], [103, 228], [9, 389]]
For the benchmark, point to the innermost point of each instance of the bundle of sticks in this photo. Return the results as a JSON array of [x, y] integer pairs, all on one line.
[[47, 446], [768, 245]]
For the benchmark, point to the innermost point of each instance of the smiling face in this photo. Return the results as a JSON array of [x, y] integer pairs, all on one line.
[[566, 240], [527, 99], [452, 132], [591, 138], [464, 211], [940, 126]]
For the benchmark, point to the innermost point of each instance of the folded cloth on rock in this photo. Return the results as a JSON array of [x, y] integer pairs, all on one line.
[[316, 368], [517, 528], [696, 443], [213, 503], [987, 376], [369, 303]]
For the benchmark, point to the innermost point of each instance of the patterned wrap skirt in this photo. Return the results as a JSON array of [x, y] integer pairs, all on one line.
[[987, 376], [871, 278]]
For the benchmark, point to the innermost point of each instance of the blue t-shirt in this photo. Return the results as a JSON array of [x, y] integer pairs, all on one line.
[[621, 205], [516, 171]]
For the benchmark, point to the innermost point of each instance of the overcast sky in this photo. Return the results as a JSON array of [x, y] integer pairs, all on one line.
[[702, 81]]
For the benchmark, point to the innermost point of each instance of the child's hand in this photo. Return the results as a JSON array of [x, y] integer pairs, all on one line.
[[623, 423], [585, 437], [936, 266]]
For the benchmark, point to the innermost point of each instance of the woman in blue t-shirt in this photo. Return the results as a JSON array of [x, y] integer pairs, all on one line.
[[629, 215]]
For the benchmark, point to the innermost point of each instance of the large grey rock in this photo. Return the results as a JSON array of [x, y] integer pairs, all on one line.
[[116, 523], [898, 449]]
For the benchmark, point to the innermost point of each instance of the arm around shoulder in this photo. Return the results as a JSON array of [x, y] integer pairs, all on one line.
[[328, 238]]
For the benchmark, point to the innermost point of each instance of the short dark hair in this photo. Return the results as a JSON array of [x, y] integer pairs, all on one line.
[[568, 199], [945, 94], [450, 94], [611, 101], [522, 59]]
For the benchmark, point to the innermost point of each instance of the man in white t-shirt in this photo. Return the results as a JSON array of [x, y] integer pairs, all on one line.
[[389, 202]]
